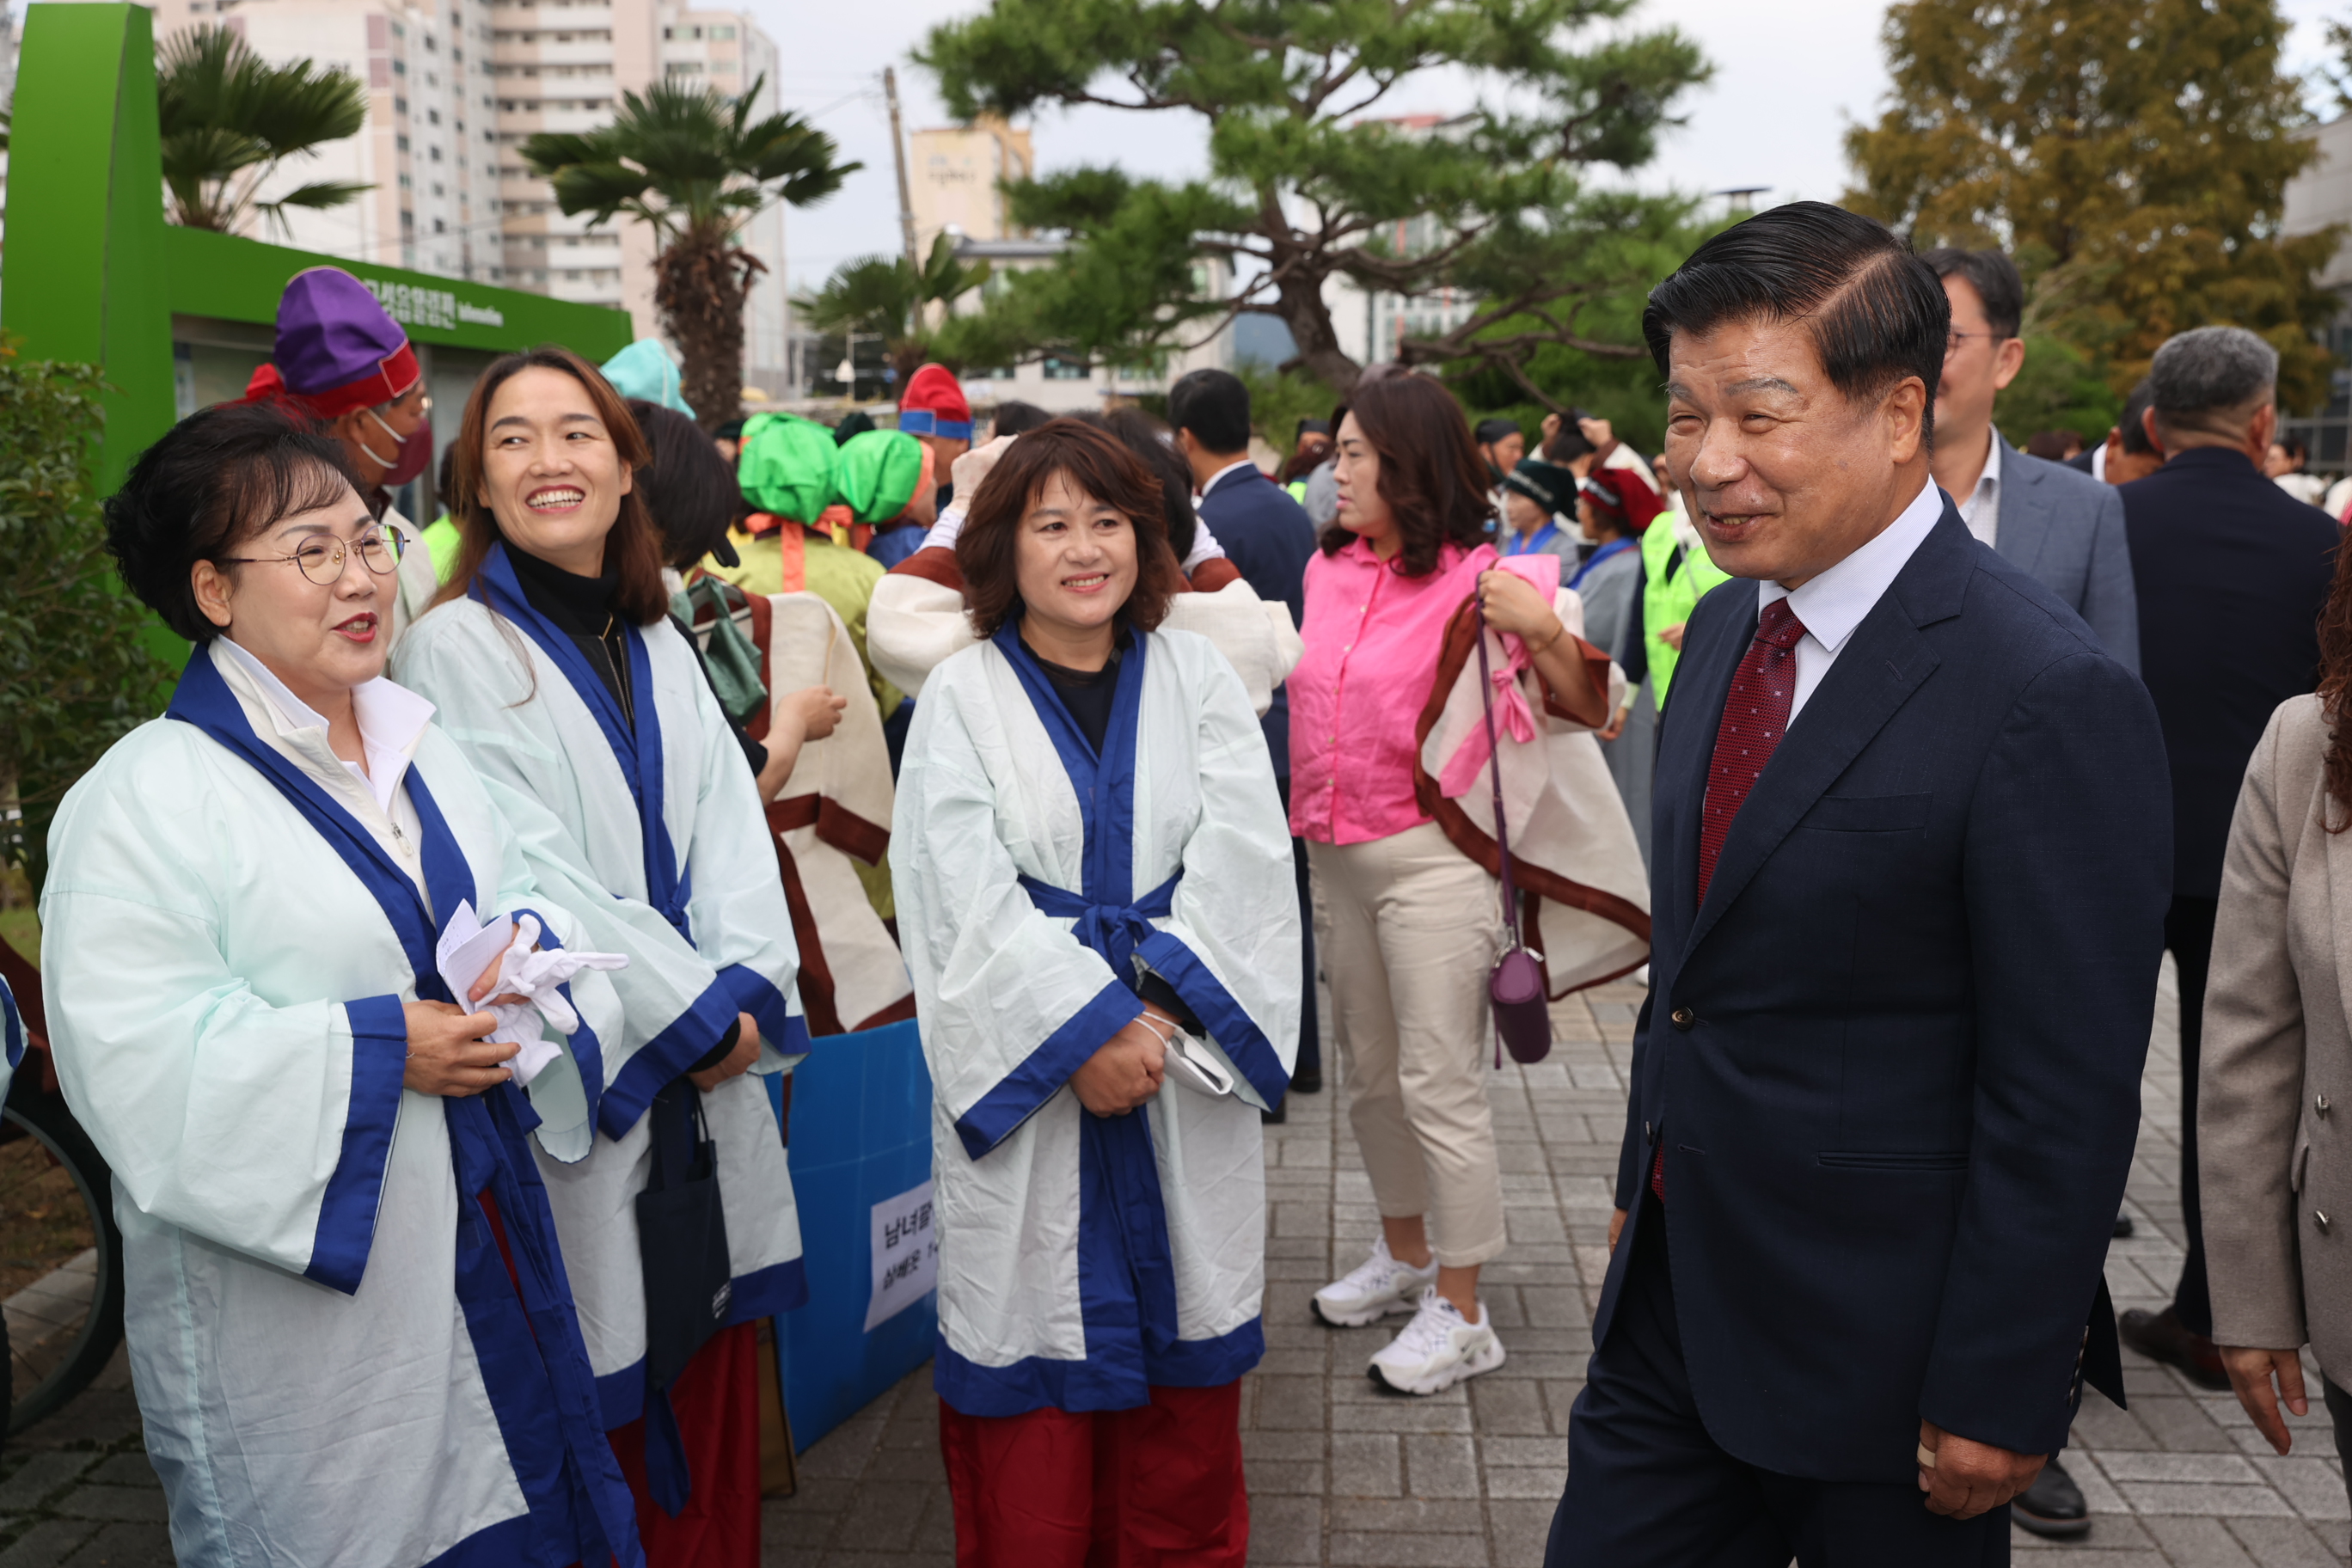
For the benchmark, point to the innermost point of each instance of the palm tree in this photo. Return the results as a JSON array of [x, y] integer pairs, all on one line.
[[230, 119], [697, 168], [886, 294]]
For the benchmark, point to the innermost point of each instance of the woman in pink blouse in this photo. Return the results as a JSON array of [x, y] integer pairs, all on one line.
[[1409, 924]]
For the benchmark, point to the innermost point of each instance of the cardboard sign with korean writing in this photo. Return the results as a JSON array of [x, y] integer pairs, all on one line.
[[906, 1254]]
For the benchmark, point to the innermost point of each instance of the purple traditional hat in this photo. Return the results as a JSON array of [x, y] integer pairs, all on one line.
[[336, 350]]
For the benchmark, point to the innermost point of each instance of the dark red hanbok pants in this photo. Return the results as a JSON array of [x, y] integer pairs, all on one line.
[[1156, 1486], [717, 1398]]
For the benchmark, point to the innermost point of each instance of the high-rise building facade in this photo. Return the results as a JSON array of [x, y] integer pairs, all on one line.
[[455, 88], [954, 179]]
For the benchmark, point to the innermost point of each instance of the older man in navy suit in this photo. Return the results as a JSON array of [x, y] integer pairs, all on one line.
[[2237, 570], [1912, 858]]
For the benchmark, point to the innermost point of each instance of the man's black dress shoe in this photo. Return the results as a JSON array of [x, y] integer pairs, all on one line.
[[2123, 1224], [2053, 1505], [1307, 1082], [2160, 1336], [1275, 1117]]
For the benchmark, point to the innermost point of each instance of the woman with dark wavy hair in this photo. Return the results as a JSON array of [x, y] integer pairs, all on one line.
[[1096, 900], [1408, 920], [2274, 1081]]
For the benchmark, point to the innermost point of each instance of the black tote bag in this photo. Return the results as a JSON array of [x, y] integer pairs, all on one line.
[[681, 1236]]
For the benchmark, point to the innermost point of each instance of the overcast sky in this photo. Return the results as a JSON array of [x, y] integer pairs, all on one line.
[[1789, 78]]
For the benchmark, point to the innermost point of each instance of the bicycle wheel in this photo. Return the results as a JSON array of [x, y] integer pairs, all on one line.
[[61, 1255]]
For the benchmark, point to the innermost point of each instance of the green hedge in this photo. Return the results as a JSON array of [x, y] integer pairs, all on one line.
[[76, 670]]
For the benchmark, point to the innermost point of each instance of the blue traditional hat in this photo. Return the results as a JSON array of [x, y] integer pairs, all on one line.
[[644, 371]]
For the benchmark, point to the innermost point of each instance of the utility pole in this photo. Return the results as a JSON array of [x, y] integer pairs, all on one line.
[[899, 154]]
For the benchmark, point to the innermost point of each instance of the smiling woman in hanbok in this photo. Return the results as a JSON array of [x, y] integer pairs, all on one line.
[[1095, 899], [560, 673], [318, 1160]]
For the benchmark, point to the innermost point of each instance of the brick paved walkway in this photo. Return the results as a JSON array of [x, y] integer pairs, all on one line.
[[1343, 1476]]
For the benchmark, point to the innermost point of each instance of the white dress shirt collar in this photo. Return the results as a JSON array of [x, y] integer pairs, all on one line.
[[390, 718], [1834, 603], [1218, 478], [1981, 508]]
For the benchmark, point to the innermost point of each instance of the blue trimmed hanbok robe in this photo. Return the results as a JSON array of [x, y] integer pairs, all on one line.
[[655, 834], [333, 1363], [1084, 1259]]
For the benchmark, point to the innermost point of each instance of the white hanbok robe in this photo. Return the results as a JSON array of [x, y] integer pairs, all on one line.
[[835, 807], [686, 886], [1084, 1259], [330, 1360], [917, 621]]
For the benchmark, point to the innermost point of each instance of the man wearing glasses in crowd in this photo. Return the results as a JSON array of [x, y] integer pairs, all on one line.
[[2061, 527]]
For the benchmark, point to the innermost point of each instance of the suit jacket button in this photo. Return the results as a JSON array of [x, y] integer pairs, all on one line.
[[1685, 1019]]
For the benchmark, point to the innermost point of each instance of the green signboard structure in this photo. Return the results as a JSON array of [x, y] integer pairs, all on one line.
[[178, 318]]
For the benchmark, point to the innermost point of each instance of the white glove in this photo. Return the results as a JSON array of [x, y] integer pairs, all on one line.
[[536, 976]]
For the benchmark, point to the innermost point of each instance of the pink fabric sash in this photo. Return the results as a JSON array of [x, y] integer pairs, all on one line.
[[1511, 711]]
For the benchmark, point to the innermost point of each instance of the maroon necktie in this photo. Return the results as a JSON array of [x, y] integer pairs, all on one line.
[[1754, 716]]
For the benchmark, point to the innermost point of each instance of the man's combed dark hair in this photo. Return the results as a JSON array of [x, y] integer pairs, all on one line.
[[1431, 474], [218, 479], [1015, 418], [1994, 278], [1098, 465], [1876, 314], [1215, 406], [633, 546]]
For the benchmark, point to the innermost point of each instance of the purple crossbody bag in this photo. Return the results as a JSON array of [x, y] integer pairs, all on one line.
[[1516, 986]]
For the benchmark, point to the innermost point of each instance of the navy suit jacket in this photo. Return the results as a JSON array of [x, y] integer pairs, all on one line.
[[1895, 1056], [2233, 573], [1266, 536]]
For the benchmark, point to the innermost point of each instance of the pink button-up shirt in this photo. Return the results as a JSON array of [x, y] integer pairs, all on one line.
[[1371, 639]]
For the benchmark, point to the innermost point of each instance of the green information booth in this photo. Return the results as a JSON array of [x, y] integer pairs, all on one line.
[[178, 318]]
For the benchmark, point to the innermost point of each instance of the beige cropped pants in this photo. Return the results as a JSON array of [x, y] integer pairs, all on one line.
[[1408, 927]]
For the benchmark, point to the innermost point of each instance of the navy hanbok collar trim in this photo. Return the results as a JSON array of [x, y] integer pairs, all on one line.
[[638, 746], [525, 1327]]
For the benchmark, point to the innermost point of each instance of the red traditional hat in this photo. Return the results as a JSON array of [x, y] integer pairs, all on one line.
[[934, 405], [1621, 490]]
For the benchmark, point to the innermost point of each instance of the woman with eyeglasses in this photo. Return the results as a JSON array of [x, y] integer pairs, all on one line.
[[349, 1325], [559, 670]]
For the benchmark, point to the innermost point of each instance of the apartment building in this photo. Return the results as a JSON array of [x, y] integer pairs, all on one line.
[[454, 86], [426, 147], [954, 174]]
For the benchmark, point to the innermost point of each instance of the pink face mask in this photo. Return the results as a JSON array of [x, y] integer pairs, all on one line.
[[411, 453]]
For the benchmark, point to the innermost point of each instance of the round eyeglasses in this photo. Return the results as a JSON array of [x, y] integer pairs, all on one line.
[[321, 560]]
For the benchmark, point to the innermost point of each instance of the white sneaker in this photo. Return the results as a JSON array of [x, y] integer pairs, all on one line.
[[1437, 1349], [1373, 1289]]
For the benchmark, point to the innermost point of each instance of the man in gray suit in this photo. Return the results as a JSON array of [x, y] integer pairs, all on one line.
[[2060, 526]]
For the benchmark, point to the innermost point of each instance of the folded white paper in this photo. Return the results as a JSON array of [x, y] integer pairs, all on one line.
[[1196, 1066], [467, 947]]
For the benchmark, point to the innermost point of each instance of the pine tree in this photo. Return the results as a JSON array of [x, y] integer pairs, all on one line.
[[1308, 181]]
